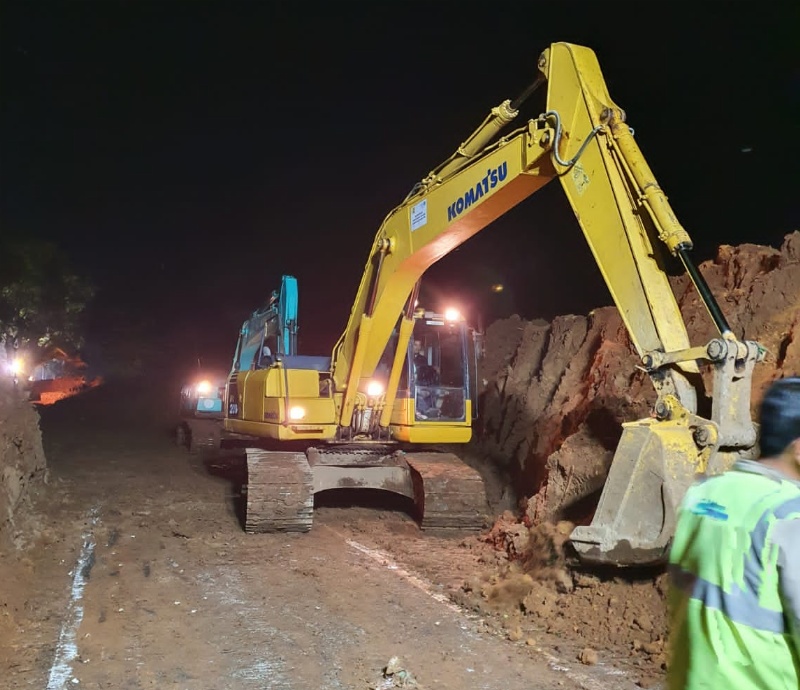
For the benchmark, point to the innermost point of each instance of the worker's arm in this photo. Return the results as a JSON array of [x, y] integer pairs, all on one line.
[[786, 536]]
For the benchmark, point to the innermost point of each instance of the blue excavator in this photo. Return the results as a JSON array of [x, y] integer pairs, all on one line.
[[268, 334]]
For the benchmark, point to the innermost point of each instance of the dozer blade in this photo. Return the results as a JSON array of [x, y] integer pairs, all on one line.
[[655, 463], [450, 495]]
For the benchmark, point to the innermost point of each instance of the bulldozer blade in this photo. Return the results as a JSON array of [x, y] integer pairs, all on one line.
[[655, 463]]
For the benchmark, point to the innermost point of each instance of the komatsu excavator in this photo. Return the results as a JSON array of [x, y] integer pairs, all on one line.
[[355, 419]]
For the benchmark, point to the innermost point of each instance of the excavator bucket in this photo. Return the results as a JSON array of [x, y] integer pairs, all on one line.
[[655, 463], [657, 460]]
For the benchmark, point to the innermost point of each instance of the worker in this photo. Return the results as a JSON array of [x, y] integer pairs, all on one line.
[[424, 373], [734, 596], [419, 355]]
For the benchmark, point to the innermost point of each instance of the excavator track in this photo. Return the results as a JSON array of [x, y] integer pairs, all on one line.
[[203, 437], [280, 494], [450, 495]]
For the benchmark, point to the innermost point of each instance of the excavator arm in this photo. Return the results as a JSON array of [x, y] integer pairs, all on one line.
[[582, 139], [287, 315]]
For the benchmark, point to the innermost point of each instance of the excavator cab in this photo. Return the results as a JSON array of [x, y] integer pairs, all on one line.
[[440, 371], [438, 381]]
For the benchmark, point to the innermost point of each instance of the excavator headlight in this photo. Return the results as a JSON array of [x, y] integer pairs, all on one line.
[[374, 389], [297, 412], [203, 387], [452, 314]]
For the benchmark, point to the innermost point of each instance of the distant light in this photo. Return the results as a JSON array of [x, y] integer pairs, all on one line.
[[452, 314], [497, 287], [17, 365], [203, 388], [747, 149], [374, 388]]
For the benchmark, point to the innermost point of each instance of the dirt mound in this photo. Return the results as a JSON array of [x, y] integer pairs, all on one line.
[[22, 473], [49, 392], [530, 593], [22, 461], [554, 395], [553, 398]]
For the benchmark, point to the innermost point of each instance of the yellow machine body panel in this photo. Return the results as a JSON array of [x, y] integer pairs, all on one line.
[[267, 397], [408, 431]]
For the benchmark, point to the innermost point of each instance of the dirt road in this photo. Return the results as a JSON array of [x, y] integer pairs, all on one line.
[[140, 576]]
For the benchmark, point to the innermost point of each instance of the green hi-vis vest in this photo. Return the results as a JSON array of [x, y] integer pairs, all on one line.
[[727, 625]]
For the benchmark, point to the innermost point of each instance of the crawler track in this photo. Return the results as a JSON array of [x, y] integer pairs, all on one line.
[[203, 437], [280, 495], [449, 494]]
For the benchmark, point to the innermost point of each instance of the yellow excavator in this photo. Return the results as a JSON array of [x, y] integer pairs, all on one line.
[[357, 419]]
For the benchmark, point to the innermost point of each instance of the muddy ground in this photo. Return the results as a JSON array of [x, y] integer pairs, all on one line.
[[128, 566], [135, 573]]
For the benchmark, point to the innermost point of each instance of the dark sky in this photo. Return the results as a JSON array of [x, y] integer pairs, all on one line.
[[186, 154]]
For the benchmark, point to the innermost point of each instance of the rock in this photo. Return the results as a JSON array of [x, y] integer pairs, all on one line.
[[515, 634], [588, 656]]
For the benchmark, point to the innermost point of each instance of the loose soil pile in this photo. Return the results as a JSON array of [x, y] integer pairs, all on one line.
[[554, 396], [22, 473], [22, 460]]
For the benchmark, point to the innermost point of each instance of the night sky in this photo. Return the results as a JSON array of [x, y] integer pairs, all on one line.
[[186, 154]]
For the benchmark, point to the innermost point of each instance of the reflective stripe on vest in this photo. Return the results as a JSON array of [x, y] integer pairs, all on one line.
[[742, 605], [738, 605], [753, 565]]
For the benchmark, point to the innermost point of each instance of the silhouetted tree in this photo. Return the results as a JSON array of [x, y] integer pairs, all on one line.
[[41, 299]]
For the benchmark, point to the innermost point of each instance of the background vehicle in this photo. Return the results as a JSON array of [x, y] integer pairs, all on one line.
[[49, 375], [201, 402], [341, 421], [200, 425]]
